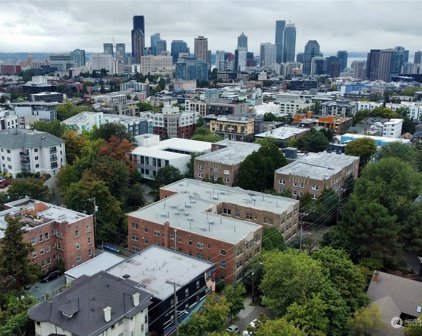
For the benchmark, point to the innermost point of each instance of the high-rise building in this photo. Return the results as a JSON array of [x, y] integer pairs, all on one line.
[[154, 39], [138, 38], [358, 69], [108, 48], [311, 50], [241, 56], [372, 63], [192, 68], [400, 57], [333, 66], [384, 64], [418, 57], [177, 47], [268, 54], [242, 41], [77, 56], [120, 52], [318, 65], [201, 48], [160, 47], [250, 59], [62, 62], [342, 56], [289, 49], [280, 25], [219, 60]]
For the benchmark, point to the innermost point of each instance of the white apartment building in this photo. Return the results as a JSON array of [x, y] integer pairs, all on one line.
[[31, 151], [392, 128], [102, 61], [85, 121], [196, 106], [415, 109], [367, 105], [7, 120], [152, 154], [291, 103], [157, 64]]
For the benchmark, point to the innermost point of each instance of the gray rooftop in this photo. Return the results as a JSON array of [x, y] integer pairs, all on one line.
[[404, 294], [154, 266], [318, 166], [193, 209], [282, 133], [21, 138], [233, 153], [79, 310]]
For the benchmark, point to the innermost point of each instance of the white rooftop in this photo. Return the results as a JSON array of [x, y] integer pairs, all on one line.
[[99, 263], [233, 153], [282, 133], [193, 209], [318, 166], [153, 267], [173, 148]]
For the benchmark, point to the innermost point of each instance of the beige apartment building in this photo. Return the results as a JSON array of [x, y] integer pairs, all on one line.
[[315, 172]]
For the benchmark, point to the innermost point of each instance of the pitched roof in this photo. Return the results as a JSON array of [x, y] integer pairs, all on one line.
[[79, 310], [20, 138]]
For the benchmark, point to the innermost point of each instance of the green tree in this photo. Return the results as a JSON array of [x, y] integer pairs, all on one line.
[[15, 271], [313, 141], [67, 110], [14, 318], [54, 127], [365, 148], [346, 277], [204, 134], [167, 175], [191, 165], [272, 239], [411, 234], [235, 297], [197, 326], [28, 187], [78, 197], [365, 321], [279, 327], [414, 329], [400, 151], [135, 196], [74, 145], [215, 309], [256, 172], [109, 130]]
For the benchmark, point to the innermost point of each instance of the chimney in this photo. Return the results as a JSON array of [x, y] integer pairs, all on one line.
[[107, 314], [376, 276], [135, 299]]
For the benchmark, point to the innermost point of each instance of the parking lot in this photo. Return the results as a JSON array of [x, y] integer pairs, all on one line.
[[41, 290]]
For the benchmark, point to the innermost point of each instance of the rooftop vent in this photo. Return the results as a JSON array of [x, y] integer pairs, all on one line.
[[210, 221], [107, 314], [203, 228], [126, 276]]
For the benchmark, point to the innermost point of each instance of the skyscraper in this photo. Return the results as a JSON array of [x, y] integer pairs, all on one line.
[[384, 64], [154, 39], [358, 69], [138, 38], [108, 48], [333, 66], [268, 54], [289, 50], [242, 41], [342, 57], [372, 64], [311, 50], [192, 68], [280, 25], [77, 56], [120, 51], [177, 47], [201, 48], [160, 47], [418, 57]]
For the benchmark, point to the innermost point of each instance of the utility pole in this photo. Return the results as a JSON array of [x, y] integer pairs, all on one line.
[[253, 286], [176, 317]]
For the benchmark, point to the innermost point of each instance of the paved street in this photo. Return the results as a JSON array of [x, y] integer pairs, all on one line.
[[39, 289], [250, 313]]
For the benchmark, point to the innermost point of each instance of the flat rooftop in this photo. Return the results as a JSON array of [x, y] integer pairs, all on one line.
[[233, 153], [345, 137], [84, 117], [33, 213], [318, 166], [153, 267], [282, 133], [194, 209], [173, 148]]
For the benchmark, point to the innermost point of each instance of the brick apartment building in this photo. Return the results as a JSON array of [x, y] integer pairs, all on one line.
[[232, 127], [223, 161], [315, 172], [55, 233], [213, 222]]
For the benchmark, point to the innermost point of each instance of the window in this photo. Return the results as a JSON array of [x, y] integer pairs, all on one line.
[[135, 237], [294, 184], [200, 175], [190, 242], [77, 246], [227, 211], [46, 236], [223, 264], [76, 233], [186, 292], [34, 254], [33, 241], [89, 240], [42, 251], [157, 233], [223, 252], [200, 167], [294, 192], [40, 238], [36, 158], [282, 181], [135, 226], [200, 245], [226, 180], [248, 215], [145, 229], [302, 185], [237, 213], [78, 258], [314, 196], [198, 283], [88, 228], [226, 172], [315, 187], [48, 249]]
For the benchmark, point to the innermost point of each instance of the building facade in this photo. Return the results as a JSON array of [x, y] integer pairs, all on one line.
[[201, 48], [280, 26], [315, 172], [192, 68], [31, 151], [289, 51], [233, 128], [138, 38], [268, 54], [157, 64]]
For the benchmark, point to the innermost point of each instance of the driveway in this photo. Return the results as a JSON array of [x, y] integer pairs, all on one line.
[[41, 290], [251, 312], [147, 190]]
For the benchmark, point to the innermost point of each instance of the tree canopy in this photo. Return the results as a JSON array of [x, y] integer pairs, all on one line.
[[313, 141], [365, 148], [204, 134], [167, 175]]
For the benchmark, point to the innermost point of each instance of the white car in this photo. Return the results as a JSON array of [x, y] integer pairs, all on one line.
[[234, 328], [250, 325]]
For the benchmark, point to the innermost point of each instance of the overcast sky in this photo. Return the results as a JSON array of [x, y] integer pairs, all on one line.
[[59, 25]]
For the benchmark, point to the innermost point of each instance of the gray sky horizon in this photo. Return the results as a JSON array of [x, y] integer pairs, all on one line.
[[61, 26]]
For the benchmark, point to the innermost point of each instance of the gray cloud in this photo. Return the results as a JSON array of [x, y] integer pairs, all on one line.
[[45, 25]]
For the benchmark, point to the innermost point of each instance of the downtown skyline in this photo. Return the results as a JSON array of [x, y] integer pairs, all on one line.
[[50, 27]]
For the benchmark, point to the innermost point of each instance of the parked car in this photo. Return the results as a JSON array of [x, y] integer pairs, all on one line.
[[3, 183], [233, 328], [51, 276], [251, 325]]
